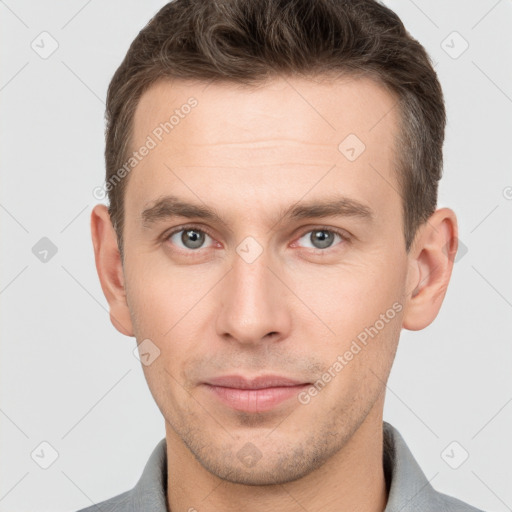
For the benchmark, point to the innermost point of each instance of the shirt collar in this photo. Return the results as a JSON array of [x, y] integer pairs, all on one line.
[[408, 488]]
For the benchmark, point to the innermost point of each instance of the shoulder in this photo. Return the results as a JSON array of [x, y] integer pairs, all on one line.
[[120, 503], [409, 489], [451, 504], [149, 492]]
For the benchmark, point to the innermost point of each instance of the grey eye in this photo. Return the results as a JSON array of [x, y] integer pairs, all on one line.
[[192, 239], [189, 238], [320, 238]]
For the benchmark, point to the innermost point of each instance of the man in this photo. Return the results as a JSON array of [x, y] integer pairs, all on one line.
[[272, 172]]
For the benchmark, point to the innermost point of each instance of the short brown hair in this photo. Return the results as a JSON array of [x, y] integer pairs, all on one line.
[[249, 41]]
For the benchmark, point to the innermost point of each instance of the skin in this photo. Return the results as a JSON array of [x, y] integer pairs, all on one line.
[[249, 153]]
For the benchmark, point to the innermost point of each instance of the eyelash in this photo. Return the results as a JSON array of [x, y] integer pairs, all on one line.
[[342, 234]]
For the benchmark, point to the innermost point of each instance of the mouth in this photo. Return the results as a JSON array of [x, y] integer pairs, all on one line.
[[258, 394]]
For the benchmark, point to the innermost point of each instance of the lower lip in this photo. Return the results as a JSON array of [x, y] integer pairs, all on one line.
[[255, 400]]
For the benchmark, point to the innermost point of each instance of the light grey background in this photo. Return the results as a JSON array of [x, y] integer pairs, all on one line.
[[70, 379]]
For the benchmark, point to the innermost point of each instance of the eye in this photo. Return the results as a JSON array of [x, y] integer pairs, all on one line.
[[322, 238], [189, 238]]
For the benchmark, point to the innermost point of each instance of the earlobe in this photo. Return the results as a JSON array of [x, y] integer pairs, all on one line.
[[110, 269], [431, 263]]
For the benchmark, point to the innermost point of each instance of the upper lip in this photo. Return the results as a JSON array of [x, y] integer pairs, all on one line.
[[260, 382]]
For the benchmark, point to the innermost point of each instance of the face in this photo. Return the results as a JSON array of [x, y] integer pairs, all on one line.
[[260, 241]]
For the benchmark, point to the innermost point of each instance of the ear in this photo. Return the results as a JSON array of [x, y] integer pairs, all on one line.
[[110, 269], [430, 267]]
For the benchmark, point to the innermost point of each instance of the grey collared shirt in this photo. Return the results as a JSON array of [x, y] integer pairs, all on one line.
[[409, 489]]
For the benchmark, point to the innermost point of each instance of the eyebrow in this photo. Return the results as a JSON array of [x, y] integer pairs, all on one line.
[[170, 206]]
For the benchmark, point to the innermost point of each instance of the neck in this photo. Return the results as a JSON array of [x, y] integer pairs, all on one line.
[[353, 479]]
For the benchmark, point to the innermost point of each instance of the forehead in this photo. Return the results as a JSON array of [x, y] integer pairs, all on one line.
[[279, 137], [306, 109]]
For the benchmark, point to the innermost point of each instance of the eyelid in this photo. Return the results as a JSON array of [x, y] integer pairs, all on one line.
[[338, 231]]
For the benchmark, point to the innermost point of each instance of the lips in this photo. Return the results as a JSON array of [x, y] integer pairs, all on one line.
[[258, 394], [261, 382]]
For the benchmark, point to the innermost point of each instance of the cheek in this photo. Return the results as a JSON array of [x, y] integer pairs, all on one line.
[[170, 306], [154, 298], [153, 287], [343, 300]]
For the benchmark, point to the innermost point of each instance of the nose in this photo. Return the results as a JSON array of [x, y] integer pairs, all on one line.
[[254, 305]]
